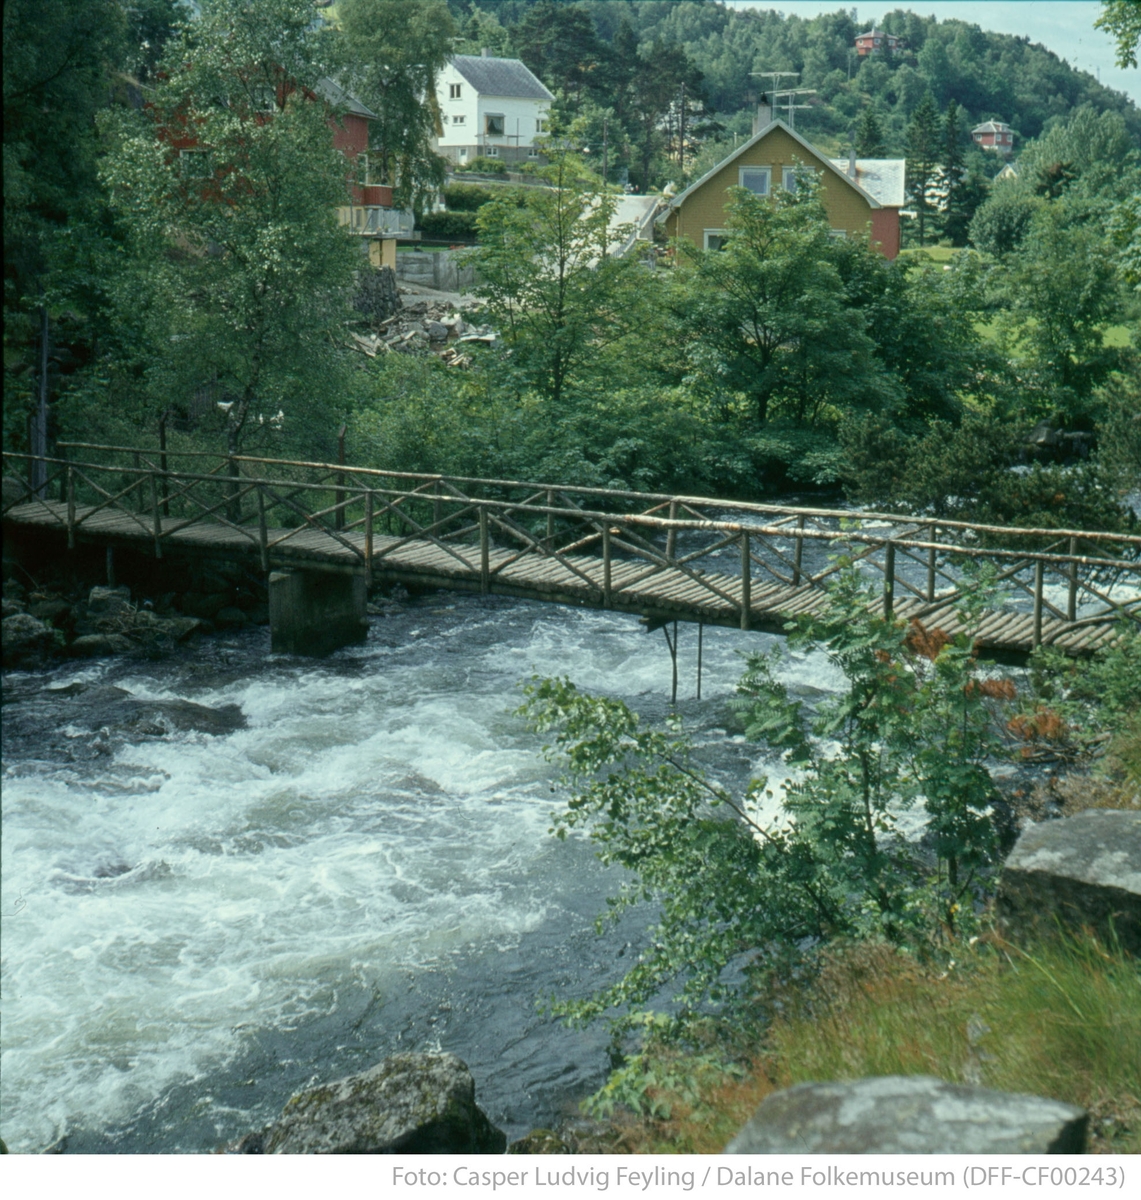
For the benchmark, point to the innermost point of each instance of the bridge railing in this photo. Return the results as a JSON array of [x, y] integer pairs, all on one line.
[[609, 541]]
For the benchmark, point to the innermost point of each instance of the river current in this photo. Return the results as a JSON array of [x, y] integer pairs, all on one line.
[[196, 925]]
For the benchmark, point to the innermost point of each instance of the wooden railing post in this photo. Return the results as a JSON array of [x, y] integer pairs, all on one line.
[[889, 581], [1072, 599], [484, 552], [163, 464], [931, 565], [156, 515], [746, 580], [550, 519], [671, 537], [437, 506], [606, 594], [798, 554], [71, 508], [1038, 572], [140, 503], [263, 532], [368, 536], [339, 495], [234, 505]]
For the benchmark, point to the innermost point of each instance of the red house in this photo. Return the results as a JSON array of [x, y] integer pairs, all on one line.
[[876, 39], [994, 135]]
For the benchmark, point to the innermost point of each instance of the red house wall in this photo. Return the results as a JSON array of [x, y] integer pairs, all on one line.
[[885, 230]]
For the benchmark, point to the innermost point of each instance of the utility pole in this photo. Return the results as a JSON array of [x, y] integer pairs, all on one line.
[[681, 130]]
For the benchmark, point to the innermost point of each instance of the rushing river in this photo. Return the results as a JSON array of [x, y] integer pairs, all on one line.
[[195, 925]]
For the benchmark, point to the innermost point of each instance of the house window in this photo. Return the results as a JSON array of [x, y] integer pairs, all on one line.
[[756, 179], [194, 164], [788, 179], [496, 123], [540, 124], [454, 91], [532, 152], [264, 97], [715, 239], [492, 151], [458, 119]]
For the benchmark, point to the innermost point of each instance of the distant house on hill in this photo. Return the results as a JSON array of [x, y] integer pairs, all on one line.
[[859, 195], [994, 135], [491, 107], [876, 40]]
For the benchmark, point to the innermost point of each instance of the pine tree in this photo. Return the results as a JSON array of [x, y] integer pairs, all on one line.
[[952, 176], [869, 135], [923, 152]]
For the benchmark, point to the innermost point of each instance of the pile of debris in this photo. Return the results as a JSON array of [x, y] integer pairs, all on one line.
[[434, 327]]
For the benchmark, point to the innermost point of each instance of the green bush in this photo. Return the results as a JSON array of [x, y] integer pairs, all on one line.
[[465, 197], [484, 165], [448, 224], [912, 728]]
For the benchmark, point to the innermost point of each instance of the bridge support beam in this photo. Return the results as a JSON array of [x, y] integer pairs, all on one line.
[[316, 612]]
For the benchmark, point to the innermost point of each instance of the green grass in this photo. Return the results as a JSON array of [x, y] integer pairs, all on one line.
[[1061, 1020], [939, 254]]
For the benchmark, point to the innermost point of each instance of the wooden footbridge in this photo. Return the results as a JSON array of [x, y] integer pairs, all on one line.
[[751, 566]]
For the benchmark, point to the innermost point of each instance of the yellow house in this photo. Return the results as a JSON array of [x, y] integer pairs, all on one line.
[[861, 196]]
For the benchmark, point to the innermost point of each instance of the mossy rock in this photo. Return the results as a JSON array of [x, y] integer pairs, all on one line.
[[539, 1141], [408, 1104]]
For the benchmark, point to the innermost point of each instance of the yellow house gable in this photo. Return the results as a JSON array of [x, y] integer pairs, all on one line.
[[699, 211]]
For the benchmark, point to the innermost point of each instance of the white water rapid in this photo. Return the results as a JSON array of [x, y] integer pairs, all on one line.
[[196, 925]]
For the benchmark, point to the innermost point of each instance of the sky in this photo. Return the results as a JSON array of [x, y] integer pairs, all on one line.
[[1064, 26]]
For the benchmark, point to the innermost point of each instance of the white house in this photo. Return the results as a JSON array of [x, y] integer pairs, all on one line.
[[490, 106]]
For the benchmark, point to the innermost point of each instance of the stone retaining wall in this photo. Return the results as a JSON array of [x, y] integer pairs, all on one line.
[[435, 269]]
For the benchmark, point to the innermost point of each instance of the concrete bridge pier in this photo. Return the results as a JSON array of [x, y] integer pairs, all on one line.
[[316, 612]]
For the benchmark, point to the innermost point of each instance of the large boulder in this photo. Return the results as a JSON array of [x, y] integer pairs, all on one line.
[[1080, 872], [408, 1104], [909, 1114], [26, 641]]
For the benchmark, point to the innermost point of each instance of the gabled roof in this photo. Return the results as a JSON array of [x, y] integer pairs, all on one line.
[[884, 178], [882, 33], [334, 94], [500, 77], [815, 154], [992, 127]]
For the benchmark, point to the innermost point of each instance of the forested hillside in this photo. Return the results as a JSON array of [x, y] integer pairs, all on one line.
[[630, 58]]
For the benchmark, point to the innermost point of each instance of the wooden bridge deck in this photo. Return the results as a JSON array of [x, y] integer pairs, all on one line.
[[635, 585]]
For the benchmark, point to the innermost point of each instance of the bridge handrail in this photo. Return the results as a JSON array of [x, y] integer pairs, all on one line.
[[615, 493], [667, 524]]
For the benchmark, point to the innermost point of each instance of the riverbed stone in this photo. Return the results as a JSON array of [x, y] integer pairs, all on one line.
[[26, 641], [109, 601], [407, 1104], [909, 1114], [539, 1141], [99, 645], [1080, 872]]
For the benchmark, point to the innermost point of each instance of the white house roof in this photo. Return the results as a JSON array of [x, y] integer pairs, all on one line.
[[883, 178], [874, 32], [875, 203], [992, 127], [500, 77]]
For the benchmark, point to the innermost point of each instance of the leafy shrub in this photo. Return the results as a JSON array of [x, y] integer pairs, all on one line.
[[465, 197], [913, 727], [484, 165], [448, 224]]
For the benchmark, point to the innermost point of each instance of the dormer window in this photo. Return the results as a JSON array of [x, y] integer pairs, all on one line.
[[454, 91]]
